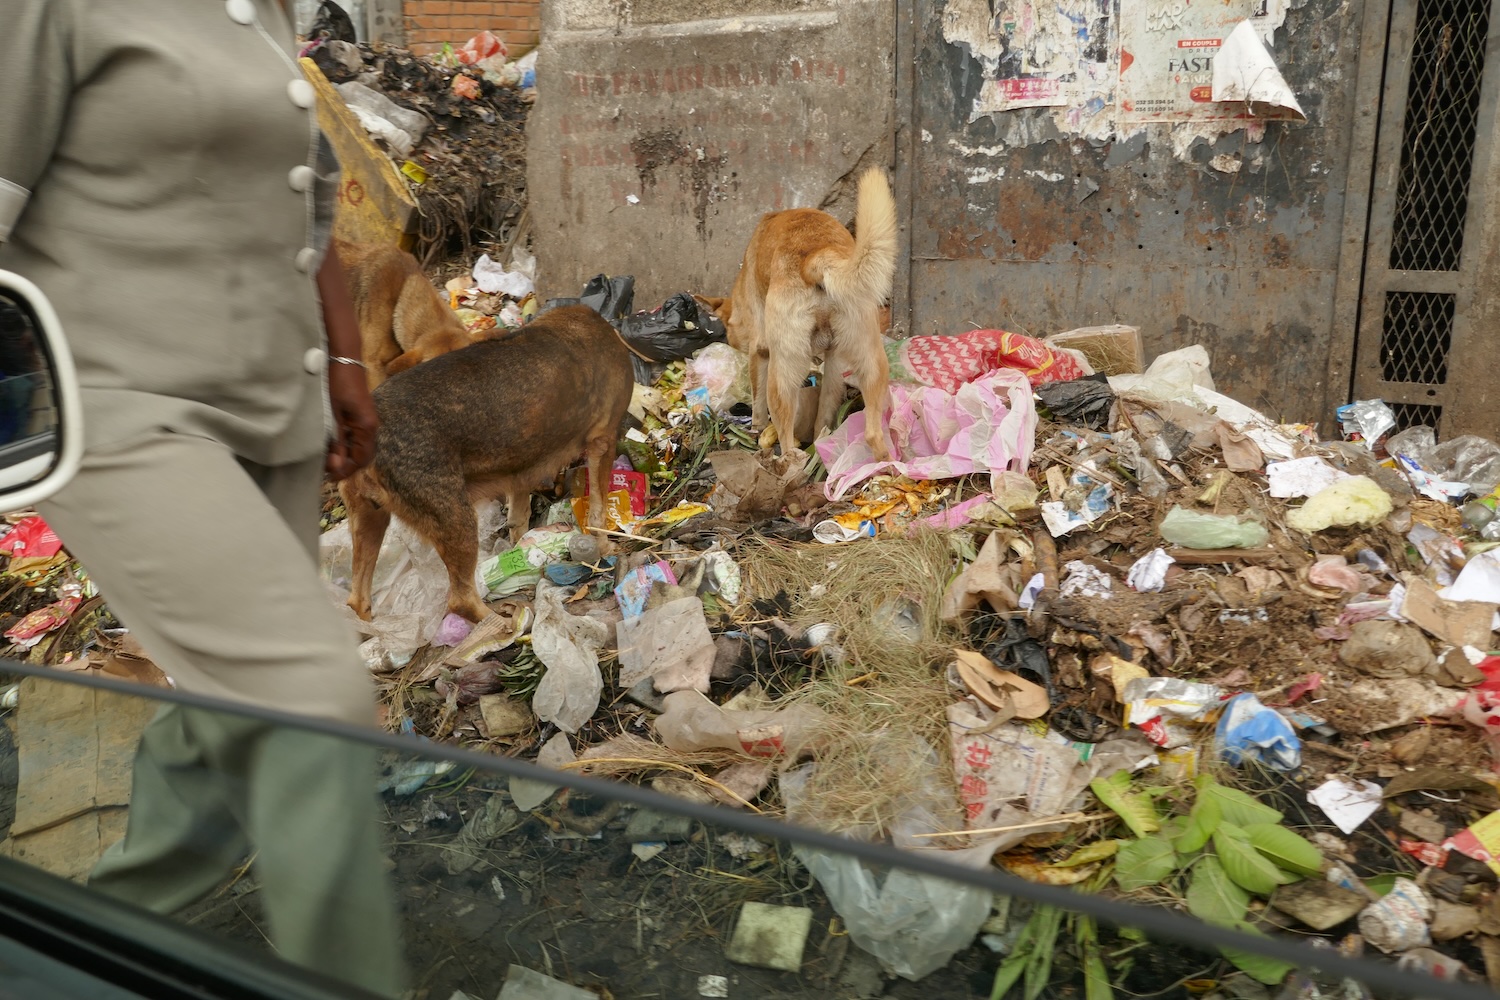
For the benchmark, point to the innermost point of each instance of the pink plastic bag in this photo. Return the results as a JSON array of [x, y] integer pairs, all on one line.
[[987, 425]]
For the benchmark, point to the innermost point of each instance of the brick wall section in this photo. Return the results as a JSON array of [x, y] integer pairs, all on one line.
[[431, 23]]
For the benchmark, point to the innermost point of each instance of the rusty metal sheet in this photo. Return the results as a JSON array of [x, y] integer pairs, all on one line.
[[1228, 241]]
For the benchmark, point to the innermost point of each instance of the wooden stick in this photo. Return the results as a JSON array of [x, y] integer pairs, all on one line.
[[1064, 818]]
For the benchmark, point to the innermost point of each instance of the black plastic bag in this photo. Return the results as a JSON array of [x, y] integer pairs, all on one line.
[[610, 297], [333, 24], [680, 327], [1083, 401]]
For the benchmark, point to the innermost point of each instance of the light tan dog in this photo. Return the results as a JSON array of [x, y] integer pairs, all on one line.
[[403, 319], [806, 289]]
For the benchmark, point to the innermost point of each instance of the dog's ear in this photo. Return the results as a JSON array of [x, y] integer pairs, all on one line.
[[401, 362]]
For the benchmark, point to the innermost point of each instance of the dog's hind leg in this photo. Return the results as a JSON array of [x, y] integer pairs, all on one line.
[[368, 522], [789, 321], [598, 450], [857, 340], [443, 514]]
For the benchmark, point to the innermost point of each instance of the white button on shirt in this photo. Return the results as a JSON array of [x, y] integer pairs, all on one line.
[[315, 360], [301, 92], [240, 11], [305, 258], [301, 178]]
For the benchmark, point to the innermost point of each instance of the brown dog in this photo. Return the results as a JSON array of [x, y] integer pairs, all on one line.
[[806, 288], [499, 418], [403, 320]]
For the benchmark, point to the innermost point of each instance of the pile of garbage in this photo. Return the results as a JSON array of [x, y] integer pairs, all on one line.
[[51, 613], [1095, 624], [453, 124]]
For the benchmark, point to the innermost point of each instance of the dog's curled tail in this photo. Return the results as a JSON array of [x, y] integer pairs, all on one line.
[[867, 275]]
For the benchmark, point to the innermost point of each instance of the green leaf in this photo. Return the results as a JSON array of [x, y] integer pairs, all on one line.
[[1006, 976], [1009, 972], [1212, 897], [1234, 805], [1289, 850], [1099, 850], [1249, 868], [1201, 824], [1043, 947], [1143, 863], [1095, 974], [1132, 807], [1261, 968], [1381, 885]]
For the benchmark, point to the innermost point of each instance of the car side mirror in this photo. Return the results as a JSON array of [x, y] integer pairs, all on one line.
[[41, 419]]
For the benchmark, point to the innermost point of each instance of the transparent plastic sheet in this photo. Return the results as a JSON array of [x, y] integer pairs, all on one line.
[[1467, 458], [913, 923], [409, 590]]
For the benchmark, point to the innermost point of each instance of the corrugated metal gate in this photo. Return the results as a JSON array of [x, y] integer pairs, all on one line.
[[1421, 344]]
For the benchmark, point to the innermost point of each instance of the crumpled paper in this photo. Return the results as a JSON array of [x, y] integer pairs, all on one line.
[[988, 425]]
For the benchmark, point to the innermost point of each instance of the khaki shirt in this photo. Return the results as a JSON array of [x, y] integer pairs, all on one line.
[[164, 182]]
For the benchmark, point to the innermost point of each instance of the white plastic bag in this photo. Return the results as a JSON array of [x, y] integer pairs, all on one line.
[[568, 645], [913, 923], [409, 589]]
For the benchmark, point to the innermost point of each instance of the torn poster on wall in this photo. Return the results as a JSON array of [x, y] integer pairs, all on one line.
[[1111, 66], [1051, 52], [1168, 49]]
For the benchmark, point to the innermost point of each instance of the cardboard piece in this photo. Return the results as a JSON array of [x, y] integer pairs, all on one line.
[[76, 748], [1458, 623]]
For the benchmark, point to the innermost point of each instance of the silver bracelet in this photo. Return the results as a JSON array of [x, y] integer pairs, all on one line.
[[347, 361]]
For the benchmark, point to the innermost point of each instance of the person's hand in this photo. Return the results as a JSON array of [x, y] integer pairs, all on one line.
[[355, 423], [354, 419]]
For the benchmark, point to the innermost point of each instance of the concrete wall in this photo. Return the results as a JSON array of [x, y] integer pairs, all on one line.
[[668, 127], [432, 23]]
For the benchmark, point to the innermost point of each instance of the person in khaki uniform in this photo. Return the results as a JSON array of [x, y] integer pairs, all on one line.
[[163, 180]]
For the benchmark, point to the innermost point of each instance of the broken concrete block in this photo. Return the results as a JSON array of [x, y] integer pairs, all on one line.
[[522, 983], [1319, 905], [771, 937]]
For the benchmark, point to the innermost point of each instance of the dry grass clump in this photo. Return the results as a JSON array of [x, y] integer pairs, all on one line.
[[885, 695]]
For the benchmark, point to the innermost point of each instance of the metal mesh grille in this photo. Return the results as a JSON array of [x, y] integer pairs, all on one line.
[[1437, 143], [1416, 415], [1415, 337]]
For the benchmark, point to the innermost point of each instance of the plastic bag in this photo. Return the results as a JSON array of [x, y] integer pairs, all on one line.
[[679, 327], [1467, 459], [1174, 375], [383, 118], [409, 588], [1366, 420], [1085, 401], [490, 277], [568, 645], [723, 371], [914, 924], [1193, 530], [691, 722], [1250, 730]]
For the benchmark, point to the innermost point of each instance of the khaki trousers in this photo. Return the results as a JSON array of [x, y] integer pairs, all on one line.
[[211, 562]]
